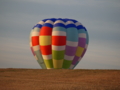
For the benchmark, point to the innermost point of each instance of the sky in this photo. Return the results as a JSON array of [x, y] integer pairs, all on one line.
[[100, 17]]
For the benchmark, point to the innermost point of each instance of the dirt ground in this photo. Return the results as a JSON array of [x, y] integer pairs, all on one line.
[[59, 79]]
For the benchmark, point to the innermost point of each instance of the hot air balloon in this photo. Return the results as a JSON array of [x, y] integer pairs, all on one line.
[[58, 43]]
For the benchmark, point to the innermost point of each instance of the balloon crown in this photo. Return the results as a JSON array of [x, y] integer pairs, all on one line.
[[78, 25]]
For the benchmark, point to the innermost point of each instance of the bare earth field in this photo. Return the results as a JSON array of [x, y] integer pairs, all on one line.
[[62, 79]]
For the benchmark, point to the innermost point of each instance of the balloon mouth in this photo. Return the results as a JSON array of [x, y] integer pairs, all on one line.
[[58, 43]]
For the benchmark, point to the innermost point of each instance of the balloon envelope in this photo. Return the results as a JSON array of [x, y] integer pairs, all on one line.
[[58, 43]]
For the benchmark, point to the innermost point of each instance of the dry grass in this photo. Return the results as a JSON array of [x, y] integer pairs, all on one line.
[[38, 79]]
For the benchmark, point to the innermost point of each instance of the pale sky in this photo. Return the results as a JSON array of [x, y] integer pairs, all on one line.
[[100, 17]]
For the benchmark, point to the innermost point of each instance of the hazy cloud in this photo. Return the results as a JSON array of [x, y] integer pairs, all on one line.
[[101, 18]]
